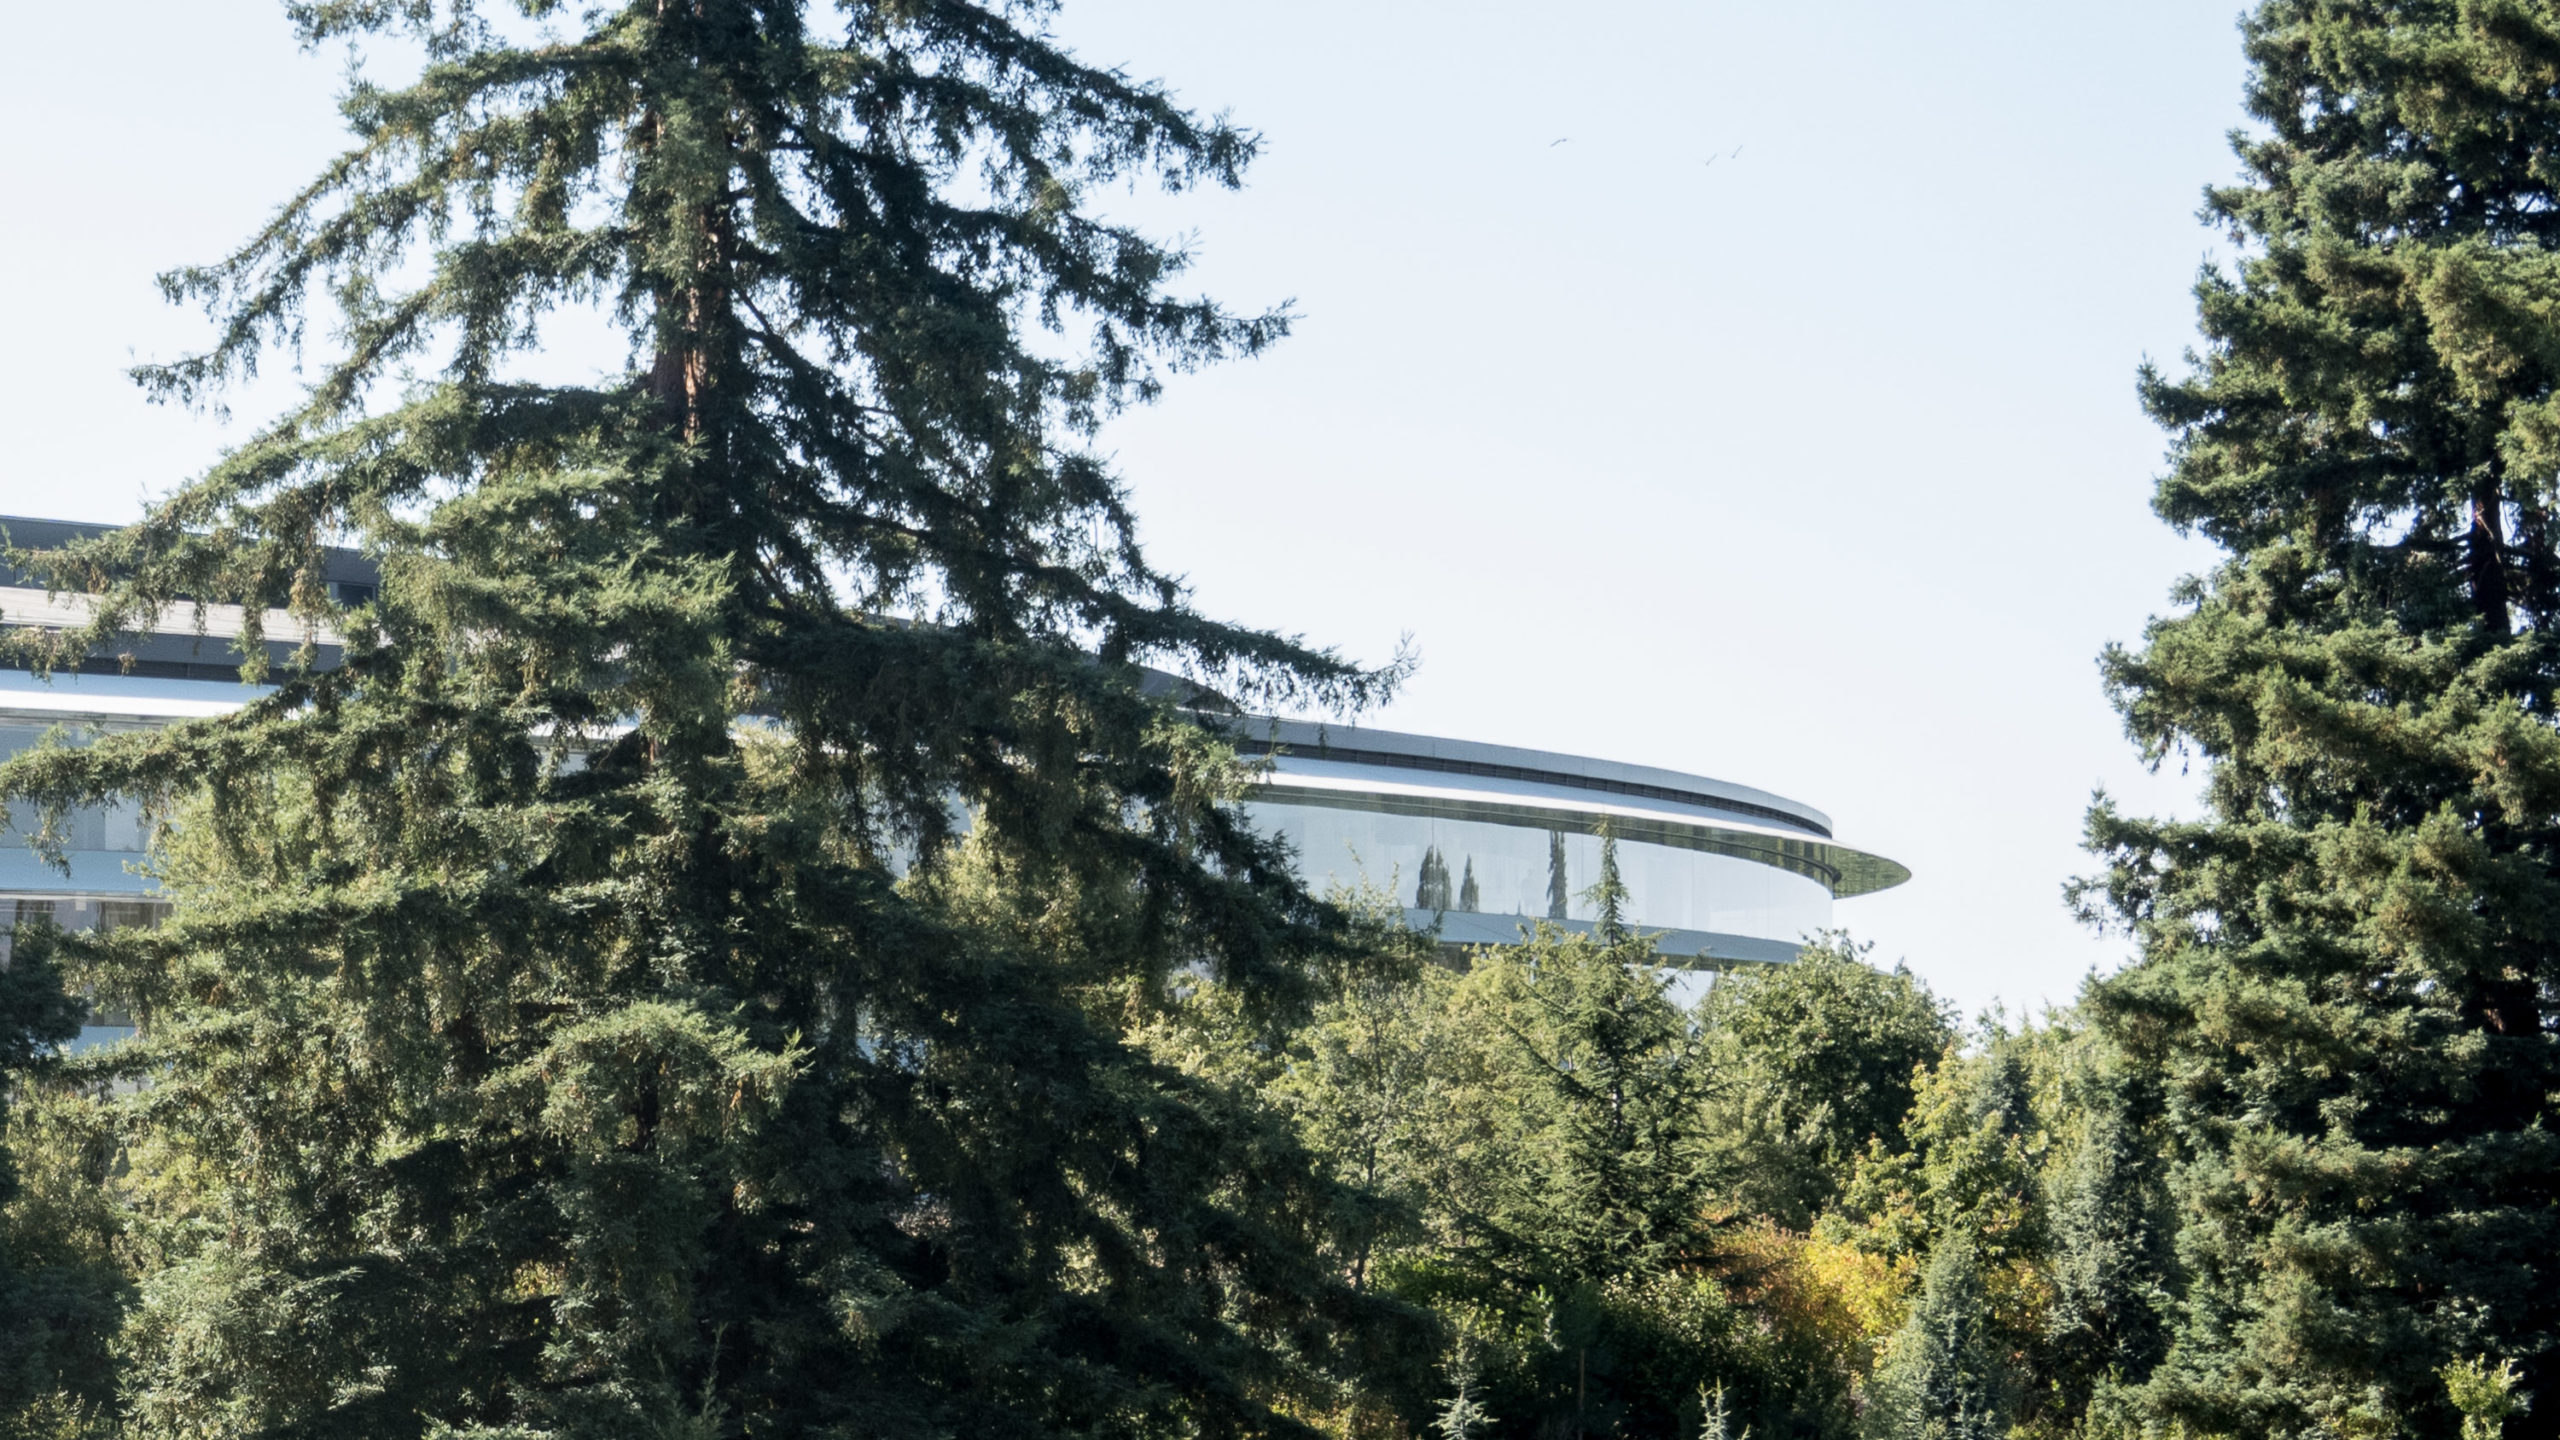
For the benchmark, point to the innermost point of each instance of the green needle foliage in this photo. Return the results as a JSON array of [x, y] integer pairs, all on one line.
[[59, 1306], [1945, 1377], [2351, 964], [2112, 1263], [1815, 1060], [1464, 1416], [641, 988]]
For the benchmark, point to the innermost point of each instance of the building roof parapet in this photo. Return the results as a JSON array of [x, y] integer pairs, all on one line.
[[1392, 749]]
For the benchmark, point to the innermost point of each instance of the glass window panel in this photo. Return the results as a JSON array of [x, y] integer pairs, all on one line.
[[115, 828], [1514, 872]]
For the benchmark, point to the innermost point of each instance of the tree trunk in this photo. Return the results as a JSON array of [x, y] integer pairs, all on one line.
[[2485, 553]]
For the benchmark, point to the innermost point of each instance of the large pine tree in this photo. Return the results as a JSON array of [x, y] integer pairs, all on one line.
[[60, 1311], [670, 978], [2351, 963]]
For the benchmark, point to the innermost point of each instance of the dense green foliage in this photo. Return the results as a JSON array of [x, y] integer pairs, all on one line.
[[731, 940], [58, 1295], [2350, 963], [1557, 1172], [1812, 1061], [583, 1012], [1946, 1376], [1603, 1194]]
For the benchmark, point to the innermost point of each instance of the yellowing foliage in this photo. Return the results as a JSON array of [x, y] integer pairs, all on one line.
[[1827, 1293]]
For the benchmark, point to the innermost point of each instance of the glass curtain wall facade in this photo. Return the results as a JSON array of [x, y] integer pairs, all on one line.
[[1479, 841], [102, 883], [1475, 842], [176, 674]]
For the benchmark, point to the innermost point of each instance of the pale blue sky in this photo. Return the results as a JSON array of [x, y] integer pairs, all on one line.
[[1815, 468]]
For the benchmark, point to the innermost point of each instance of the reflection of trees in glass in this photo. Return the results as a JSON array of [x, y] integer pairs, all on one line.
[[116, 915], [1559, 888], [1433, 892], [25, 912], [1608, 894], [1469, 898]]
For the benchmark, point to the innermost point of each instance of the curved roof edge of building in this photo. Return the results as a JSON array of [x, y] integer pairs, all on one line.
[[1613, 792], [1404, 750]]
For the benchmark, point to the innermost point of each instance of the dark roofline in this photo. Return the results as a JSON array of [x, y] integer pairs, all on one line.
[[27, 532], [1390, 749]]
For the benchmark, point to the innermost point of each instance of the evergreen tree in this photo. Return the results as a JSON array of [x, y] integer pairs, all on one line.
[[58, 1305], [1573, 1194], [2110, 1232], [1945, 1377], [2350, 965], [1470, 899], [1559, 886], [1596, 1059], [1608, 897], [1969, 1171], [1816, 1060], [1433, 892], [1359, 1075], [1530, 1133], [1464, 1417], [583, 1013]]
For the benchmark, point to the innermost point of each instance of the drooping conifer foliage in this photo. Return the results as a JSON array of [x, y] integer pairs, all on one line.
[[2351, 964], [52, 1351], [657, 967]]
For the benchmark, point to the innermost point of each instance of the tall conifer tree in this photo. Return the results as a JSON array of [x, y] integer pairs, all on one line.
[[52, 1348], [2350, 965], [585, 1012], [2111, 1266], [1945, 1377]]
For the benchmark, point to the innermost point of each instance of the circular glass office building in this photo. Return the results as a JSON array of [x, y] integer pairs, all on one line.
[[1477, 841], [1481, 841]]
